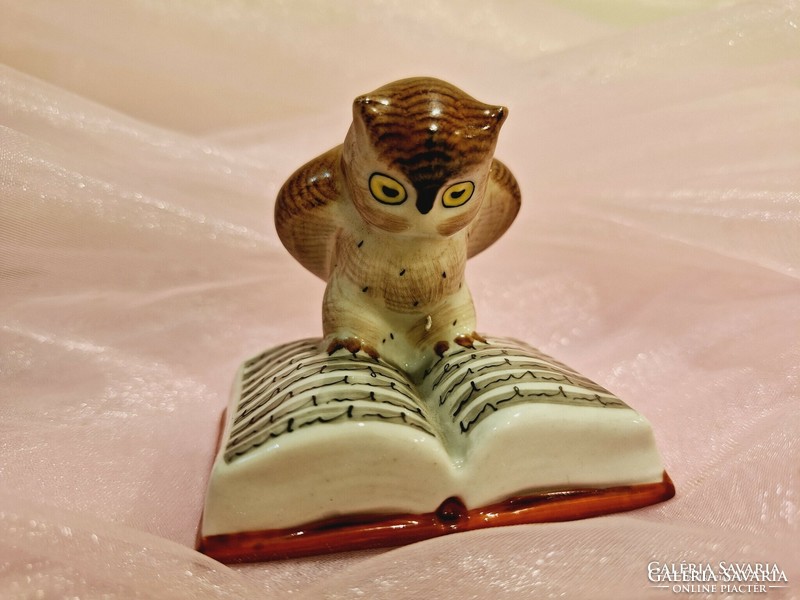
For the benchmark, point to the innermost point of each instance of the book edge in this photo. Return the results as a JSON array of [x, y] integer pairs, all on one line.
[[360, 532]]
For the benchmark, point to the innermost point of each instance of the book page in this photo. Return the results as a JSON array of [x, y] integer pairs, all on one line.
[[517, 422], [470, 384], [297, 386], [310, 437]]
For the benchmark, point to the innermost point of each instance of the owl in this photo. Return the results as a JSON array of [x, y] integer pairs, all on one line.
[[389, 218]]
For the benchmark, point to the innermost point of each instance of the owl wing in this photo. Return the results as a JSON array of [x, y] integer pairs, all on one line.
[[500, 205], [306, 212]]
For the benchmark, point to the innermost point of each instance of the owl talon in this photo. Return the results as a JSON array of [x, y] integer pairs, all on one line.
[[353, 345], [440, 348], [478, 337], [466, 341], [373, 354]]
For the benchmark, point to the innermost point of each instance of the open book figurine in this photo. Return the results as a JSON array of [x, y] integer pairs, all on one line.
[[402, 422]]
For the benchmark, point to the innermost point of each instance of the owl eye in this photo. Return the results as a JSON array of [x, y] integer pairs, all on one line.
[[387, 190], [458, 194]]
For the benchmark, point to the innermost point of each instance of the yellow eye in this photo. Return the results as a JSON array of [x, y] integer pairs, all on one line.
[[458, 194], [387, 190]]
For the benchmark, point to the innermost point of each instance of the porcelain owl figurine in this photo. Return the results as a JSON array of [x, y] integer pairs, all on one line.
[[389, 219], [402, 423]]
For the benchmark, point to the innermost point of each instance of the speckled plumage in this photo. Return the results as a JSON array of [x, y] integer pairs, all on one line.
[[389, 218]]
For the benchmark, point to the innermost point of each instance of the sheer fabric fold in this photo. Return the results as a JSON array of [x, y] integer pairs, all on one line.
[[657, 250]]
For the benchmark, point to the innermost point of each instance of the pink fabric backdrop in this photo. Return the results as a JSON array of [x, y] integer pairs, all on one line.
[[658, 250]]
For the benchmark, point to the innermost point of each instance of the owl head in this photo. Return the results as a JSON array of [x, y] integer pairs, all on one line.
[[417, 156]]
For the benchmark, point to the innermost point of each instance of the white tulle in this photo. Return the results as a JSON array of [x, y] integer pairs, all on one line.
[[658, 250]]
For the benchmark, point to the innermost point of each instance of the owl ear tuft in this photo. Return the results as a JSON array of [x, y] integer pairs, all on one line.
[[358, 107], [497, 116], [500, 113], [490, 122], [366, 108]]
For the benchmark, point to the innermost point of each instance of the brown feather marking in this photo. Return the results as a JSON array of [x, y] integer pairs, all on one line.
[[428, 128], [305, 214], [465, 341], [500, 206], [455, 224]]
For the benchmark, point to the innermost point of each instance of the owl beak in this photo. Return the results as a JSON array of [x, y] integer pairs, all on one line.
[[425, 199]]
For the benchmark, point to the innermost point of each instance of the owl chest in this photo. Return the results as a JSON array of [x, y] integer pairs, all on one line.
[[402, 275]]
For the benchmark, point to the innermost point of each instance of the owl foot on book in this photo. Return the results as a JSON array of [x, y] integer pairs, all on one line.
[[353, 345], [468, 341], [465, 341]]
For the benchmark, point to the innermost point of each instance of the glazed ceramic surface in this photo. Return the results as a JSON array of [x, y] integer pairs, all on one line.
[[314, 436], [390, 218], [656, 250], [403, 422]]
